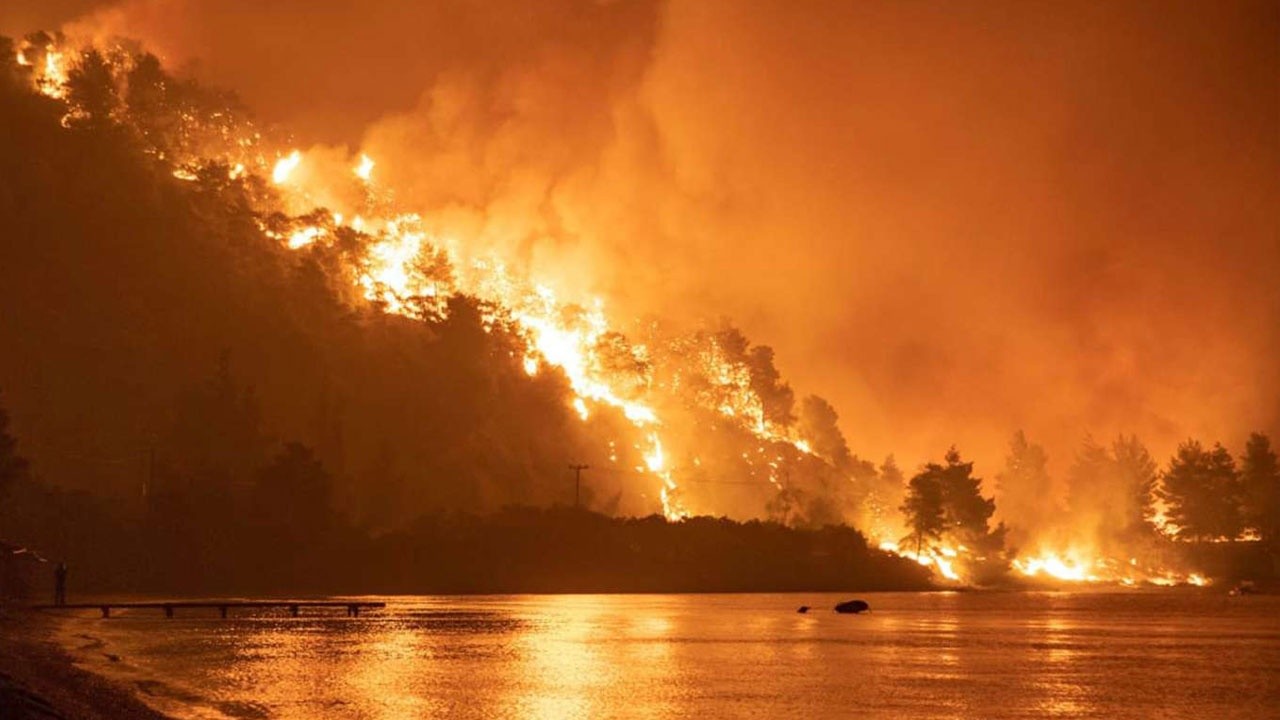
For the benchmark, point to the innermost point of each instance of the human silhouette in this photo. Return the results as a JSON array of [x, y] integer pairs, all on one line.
[[60, 584]]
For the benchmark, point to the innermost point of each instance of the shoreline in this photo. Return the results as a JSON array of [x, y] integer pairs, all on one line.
[[39, 680]]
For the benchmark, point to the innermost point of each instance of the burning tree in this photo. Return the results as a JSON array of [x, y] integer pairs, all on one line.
[[819, 425], [945, 503], [1136, 473], [1024, 487], [1112, 493]]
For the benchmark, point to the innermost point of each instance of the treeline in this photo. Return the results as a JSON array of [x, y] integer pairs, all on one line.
[[279, 534], [190, 392], [1202, 494], [1118, 503], [127, 288]]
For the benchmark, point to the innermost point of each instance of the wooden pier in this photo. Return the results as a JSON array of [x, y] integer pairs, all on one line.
[[222, 606]]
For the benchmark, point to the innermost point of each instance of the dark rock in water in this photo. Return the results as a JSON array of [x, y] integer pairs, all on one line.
[[852, 606], [803, 609]]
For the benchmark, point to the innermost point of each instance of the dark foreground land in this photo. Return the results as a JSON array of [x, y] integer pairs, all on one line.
[[517, 550], [38, 680]]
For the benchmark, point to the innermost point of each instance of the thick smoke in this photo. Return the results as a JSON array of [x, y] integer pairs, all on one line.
[[951, 221]]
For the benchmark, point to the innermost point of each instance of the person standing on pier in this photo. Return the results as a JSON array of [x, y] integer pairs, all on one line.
[[60, 584]]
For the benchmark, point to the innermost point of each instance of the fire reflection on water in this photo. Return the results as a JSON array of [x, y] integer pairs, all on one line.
[[935, 655]]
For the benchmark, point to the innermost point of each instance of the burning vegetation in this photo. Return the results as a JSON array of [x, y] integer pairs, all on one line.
[[425, 375]]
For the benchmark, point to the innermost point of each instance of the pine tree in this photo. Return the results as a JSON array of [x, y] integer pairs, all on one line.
[[1114, 488], [1260, 486], [1088, 480], [946, 501], [890, 486], [968, 513], [819, 426], [1135, 472], [923, 507], [1202, 490], [1024, 487]]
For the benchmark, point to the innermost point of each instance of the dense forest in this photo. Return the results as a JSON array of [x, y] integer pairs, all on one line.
[[194, 397], [280, 534], [202, 409], [1203, 511]]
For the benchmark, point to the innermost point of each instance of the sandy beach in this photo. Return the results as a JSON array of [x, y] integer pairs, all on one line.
[[38, 679]]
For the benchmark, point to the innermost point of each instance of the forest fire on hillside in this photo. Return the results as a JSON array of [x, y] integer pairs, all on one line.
[[665, 386]]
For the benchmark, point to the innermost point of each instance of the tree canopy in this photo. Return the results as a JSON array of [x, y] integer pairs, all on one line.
[[1202, 491]]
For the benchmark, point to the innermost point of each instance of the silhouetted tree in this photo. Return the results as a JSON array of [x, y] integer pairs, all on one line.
[[91, 89], [890, 485], [1260, 485], [1088, 479], [818, 425], [1135, 471], [1113, 489], [1202, 490], [292, 495], [968, 513], [945, 502], [776, 397], [924, 507]]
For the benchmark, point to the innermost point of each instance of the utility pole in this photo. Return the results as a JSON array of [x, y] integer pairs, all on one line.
[[577, 482]]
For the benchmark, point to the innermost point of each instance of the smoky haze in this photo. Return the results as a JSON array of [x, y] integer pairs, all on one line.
[[951, 221]]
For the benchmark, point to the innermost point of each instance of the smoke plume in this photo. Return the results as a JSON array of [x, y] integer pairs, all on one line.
[[951, 221]]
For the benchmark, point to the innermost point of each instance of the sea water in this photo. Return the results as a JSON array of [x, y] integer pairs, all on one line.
[[1135, 654]]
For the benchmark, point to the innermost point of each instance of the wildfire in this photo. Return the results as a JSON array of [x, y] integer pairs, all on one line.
[[364, 170], [304, 237], [285, 166], [396, 271], [560, 335], [400, 270], [1079, 567], [941, 558], [50, 74]]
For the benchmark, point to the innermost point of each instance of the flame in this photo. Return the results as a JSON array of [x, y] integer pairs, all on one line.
[[560, 334], [1077, 566], [364, 170], [54, 81], [1054, 566], [285, 166], [941, 558], [50, 77], [304, 237], [565, 335]]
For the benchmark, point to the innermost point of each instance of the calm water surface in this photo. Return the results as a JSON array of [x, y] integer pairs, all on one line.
[[917, 655]]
